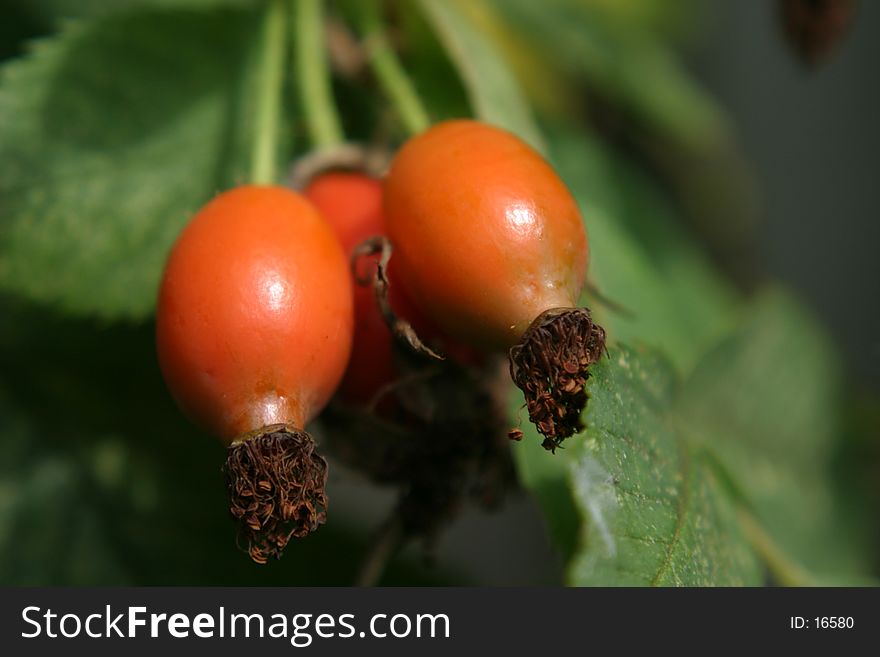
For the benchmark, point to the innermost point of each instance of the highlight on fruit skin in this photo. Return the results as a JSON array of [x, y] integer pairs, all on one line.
[[253, 331], [487, 239]]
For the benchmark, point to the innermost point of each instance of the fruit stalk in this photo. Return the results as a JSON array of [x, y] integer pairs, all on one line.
[[389, 71], [322, 119], [263, 160]]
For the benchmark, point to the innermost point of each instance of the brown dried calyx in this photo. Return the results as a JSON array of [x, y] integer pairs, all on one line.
[[550, 364], [276, 481]]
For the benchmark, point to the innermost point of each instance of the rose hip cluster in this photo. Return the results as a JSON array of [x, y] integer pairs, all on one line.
[[260, 320]]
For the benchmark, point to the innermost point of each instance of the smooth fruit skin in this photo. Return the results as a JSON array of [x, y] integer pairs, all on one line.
[[254, 320], [486, 234], [352, 204]]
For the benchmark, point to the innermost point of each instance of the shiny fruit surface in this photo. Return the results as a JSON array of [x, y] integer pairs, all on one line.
[[486, 234], [254, 319]]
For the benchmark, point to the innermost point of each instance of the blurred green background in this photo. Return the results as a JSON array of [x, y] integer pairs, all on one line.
[[730, 195]]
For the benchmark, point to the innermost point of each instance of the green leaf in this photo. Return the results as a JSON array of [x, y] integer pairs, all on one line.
[[652, 511], [749, 361], [696, 483], [766, 401], [628, 67], [100, 167], [494, 92], [43, 507], [642, 260], [671, 21], [62, 9]]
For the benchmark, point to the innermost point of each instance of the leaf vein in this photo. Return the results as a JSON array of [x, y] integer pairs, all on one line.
[[683, 501]]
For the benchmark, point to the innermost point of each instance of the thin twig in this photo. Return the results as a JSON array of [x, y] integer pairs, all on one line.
[[401, 329], [387, 542]]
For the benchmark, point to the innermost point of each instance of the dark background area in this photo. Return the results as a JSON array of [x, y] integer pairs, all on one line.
[[812, 141]]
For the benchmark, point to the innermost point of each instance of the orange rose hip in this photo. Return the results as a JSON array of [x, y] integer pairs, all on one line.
[[253, 331]]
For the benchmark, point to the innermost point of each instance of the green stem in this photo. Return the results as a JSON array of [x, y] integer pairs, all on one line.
[[322, 118], [389, 71], [784, 571], [264, 156]]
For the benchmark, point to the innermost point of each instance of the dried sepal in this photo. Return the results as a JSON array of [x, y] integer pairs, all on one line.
[[551, 364], [401, 329], [275, 480]]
